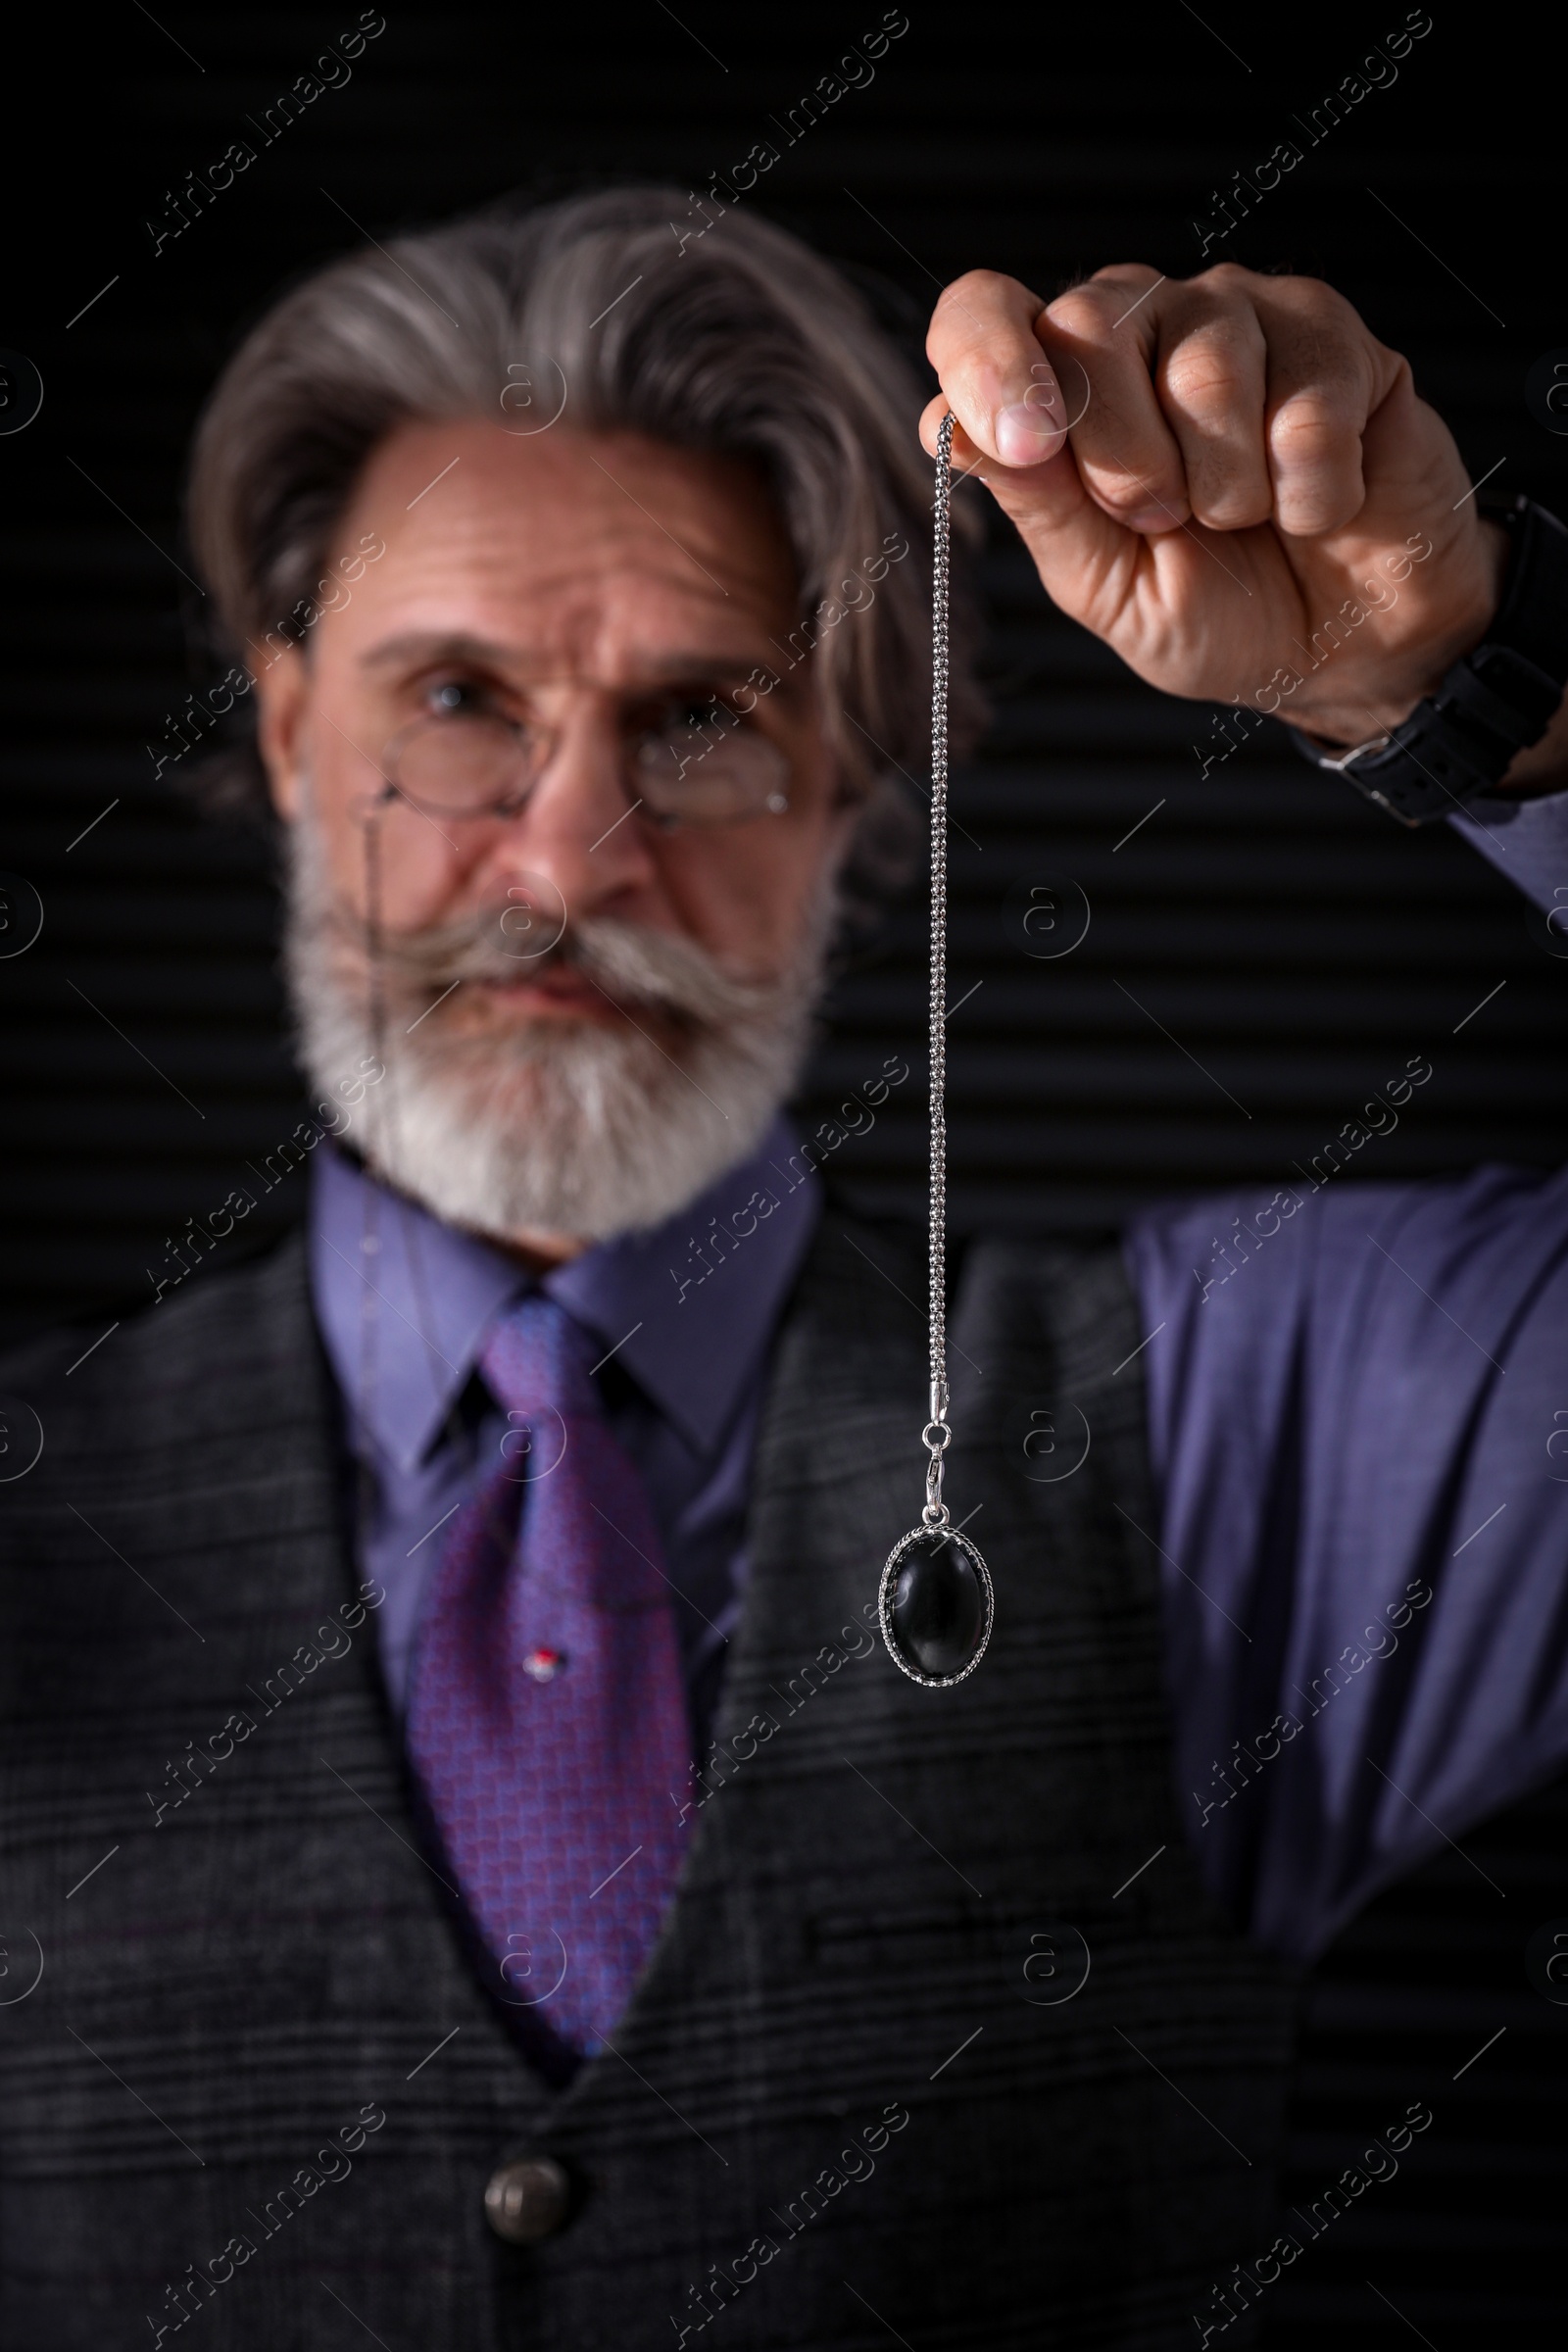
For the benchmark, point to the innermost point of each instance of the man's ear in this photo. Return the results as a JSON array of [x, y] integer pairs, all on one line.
[[282, 696]]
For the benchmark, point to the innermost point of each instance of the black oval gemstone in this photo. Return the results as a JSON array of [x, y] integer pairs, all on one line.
[[938, 1611]]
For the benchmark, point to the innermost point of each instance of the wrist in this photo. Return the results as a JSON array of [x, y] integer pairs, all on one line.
[[1493, 723]]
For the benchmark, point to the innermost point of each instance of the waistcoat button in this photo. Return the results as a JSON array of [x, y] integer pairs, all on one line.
[[527, 2199]]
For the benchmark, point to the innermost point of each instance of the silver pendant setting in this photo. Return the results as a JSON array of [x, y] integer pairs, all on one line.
[[936, 1606]]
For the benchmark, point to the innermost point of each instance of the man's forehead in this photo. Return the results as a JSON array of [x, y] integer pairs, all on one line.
[[587, 658], [563, 621], [602, 545]]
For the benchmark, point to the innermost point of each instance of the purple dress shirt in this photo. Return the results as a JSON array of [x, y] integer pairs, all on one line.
[[1527, 842], [1358, 1423]]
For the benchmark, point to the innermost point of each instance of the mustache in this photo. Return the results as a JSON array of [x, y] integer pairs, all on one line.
[[633, 964]]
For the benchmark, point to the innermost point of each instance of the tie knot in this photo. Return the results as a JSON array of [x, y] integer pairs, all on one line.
[[536, 1359]]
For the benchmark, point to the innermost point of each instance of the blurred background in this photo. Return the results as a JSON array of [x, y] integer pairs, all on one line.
[[1262, 950]]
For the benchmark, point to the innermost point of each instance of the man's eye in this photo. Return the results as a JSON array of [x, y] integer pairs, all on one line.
[[703, 715], [457, 697]]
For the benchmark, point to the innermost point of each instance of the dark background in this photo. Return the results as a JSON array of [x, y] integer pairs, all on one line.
[[1300, 946]]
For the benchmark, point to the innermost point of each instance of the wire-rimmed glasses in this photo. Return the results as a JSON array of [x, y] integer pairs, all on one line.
[[694, 762]]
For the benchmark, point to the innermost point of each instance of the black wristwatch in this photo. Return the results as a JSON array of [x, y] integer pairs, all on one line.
[[1499, 698]]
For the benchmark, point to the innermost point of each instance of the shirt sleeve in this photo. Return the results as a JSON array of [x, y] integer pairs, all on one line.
[[1358, 1417], [1527, 842]]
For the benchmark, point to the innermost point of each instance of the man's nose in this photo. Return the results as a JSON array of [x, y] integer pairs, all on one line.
[[577, 830]]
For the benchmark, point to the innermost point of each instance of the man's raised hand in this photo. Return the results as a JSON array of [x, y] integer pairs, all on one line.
[[1229, 480]]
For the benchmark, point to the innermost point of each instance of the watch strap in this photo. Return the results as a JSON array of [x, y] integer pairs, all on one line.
[[1495, 701]]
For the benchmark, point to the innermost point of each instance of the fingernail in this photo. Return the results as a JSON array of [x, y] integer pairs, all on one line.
[[1155, 519], [1025, 435]]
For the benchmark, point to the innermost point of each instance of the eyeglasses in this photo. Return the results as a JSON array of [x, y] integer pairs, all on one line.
[[694, 762]]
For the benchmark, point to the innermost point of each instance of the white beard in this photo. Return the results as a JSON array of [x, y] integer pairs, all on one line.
[[548, 1125]]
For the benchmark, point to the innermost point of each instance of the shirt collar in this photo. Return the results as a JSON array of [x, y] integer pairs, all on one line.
[[687, 1308]]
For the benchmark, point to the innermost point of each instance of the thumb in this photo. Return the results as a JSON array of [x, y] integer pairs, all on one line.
[[1076, 546]]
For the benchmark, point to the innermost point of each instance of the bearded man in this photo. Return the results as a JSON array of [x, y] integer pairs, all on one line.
[[486, 1879]]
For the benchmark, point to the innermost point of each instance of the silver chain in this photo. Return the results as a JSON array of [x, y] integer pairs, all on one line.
[[937, 1435]]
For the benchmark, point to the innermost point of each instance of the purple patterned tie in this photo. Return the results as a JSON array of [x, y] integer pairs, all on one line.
[[546, 1718]]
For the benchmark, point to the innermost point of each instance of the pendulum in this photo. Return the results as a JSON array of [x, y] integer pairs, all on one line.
[[935, 1599]]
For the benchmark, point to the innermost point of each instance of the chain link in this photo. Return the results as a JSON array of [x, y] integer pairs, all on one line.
[[937, 1433]]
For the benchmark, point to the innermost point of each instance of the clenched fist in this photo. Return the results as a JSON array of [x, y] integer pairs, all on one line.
[[1229, 480]]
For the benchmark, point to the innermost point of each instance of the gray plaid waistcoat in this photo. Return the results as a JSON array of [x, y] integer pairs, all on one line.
[[251, 2088]]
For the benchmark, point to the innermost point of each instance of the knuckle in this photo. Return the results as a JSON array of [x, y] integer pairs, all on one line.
[[1318, 320], [1132, 493], [1315, 293], [1116, 276], [1225, 278], [976, 310], [991, 287], [1308, 517], [1310, 429], [1084, 312], [1307, 296], [1206, 378], [1232, 506]]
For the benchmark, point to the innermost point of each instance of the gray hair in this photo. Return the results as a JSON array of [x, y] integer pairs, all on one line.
[[736, 338]]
